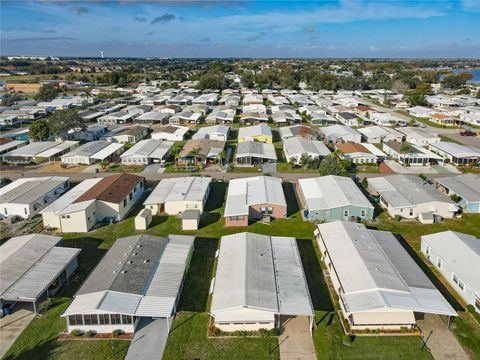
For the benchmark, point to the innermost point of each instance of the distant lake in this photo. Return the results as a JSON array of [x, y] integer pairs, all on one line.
[[475, 73]]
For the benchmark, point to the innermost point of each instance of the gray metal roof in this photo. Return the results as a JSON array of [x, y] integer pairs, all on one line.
[[467, 186], [406, 190], [88, 149], [457, 150], [29, 190], [256, 149], [149, 148], [376, 272], [140, 275], [30, 263], [461, 253], [260, 272], [297, 146], [329, 192], [192, 188]]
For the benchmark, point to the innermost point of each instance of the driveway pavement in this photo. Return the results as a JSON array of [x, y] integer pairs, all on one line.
[[295, 342], [442, 343], [11, 326], [149, 340]]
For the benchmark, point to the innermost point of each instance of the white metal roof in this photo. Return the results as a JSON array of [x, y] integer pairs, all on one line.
[[255, 130], [457, 150], [467, 186], [29, 190], [260, 272], [41, 149], [107, 151], [66, 203], [11, 144], [245, 192], [296, 146], [30, 263], [256, 149], [376, 272], [407, 190], [329, 192], [461, 253], [207, 131], [191, 188], [149, 148], [378, 131]]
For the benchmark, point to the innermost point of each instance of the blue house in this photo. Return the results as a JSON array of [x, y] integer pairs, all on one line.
[[331, 198], [466, 187]]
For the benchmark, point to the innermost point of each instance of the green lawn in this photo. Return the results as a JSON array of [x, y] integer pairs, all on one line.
[[188, 339], [448, 139]]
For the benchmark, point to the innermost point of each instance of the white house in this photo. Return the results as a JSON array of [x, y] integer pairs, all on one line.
[[417, 136], [26, 197], [175, 195], [215, 132], [379, 286], [454, 153], [466, 187], [146, 152], [170, 133], [341, 133], [38, 151], [456, 256], [295, 147], [131, 284], [185, 117], [410, 155], [411, 197], [92, 152], [378, 134], [97, 200], [259, 281]]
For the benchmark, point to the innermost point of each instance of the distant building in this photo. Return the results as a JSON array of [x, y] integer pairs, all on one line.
[[466, 187], [261, 133]]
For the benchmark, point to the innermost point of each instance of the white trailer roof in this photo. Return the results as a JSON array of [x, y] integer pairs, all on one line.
[[377, 273], [191, 188], [329, 192], [260, 272], [107, 151], [245, 192], [461, 252]]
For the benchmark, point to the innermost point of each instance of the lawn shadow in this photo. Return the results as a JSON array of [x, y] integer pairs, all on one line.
[[291, 197], [87, 260], [158, 220], [44, 350], [208, 219], [276, 136], [216, 197], [315, 278], [433, 278], [197, 282]]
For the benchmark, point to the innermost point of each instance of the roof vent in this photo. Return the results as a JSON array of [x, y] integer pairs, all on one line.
[[114, 271], [135, 254], [130, 262], [146, 261], [131, 245], [139, 246], [377, 269], [124, 271], [119, 263]]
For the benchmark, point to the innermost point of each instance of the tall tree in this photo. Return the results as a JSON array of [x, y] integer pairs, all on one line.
[[61, 122], [39, 130], [47, 93]]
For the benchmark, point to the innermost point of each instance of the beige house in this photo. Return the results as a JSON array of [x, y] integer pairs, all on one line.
[[379, 286], [98, 200], [176, 195]]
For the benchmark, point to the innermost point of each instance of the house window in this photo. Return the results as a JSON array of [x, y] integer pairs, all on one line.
[[130, 196], [439, 263], [345, 213], [477, 303], [459, 282], [124, 202], [411, 212], [115, 319], [25, 209], [266, 211], [126, 319], [90, 319], [427, 250], [5, 211], [236, 218], [363, 213], [104, 319]]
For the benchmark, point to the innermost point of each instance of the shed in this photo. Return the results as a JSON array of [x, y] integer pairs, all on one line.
[[143, 219], [190, 219]]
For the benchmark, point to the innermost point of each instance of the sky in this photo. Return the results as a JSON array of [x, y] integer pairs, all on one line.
[[251, 29]]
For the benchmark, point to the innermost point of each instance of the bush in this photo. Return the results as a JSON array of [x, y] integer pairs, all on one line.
[[472, 312], [90, 333], [398, 218], [117, 332], [76, 332]]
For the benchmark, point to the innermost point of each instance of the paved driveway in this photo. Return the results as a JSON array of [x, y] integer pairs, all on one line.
[[11, 326], [442, 343], [296, 342], [149, 340]]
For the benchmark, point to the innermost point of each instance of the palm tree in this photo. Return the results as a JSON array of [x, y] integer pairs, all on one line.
[[337, 155], [193, 153], [222, 155]]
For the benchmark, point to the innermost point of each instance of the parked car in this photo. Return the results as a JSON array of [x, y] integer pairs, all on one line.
[[468, 133]]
